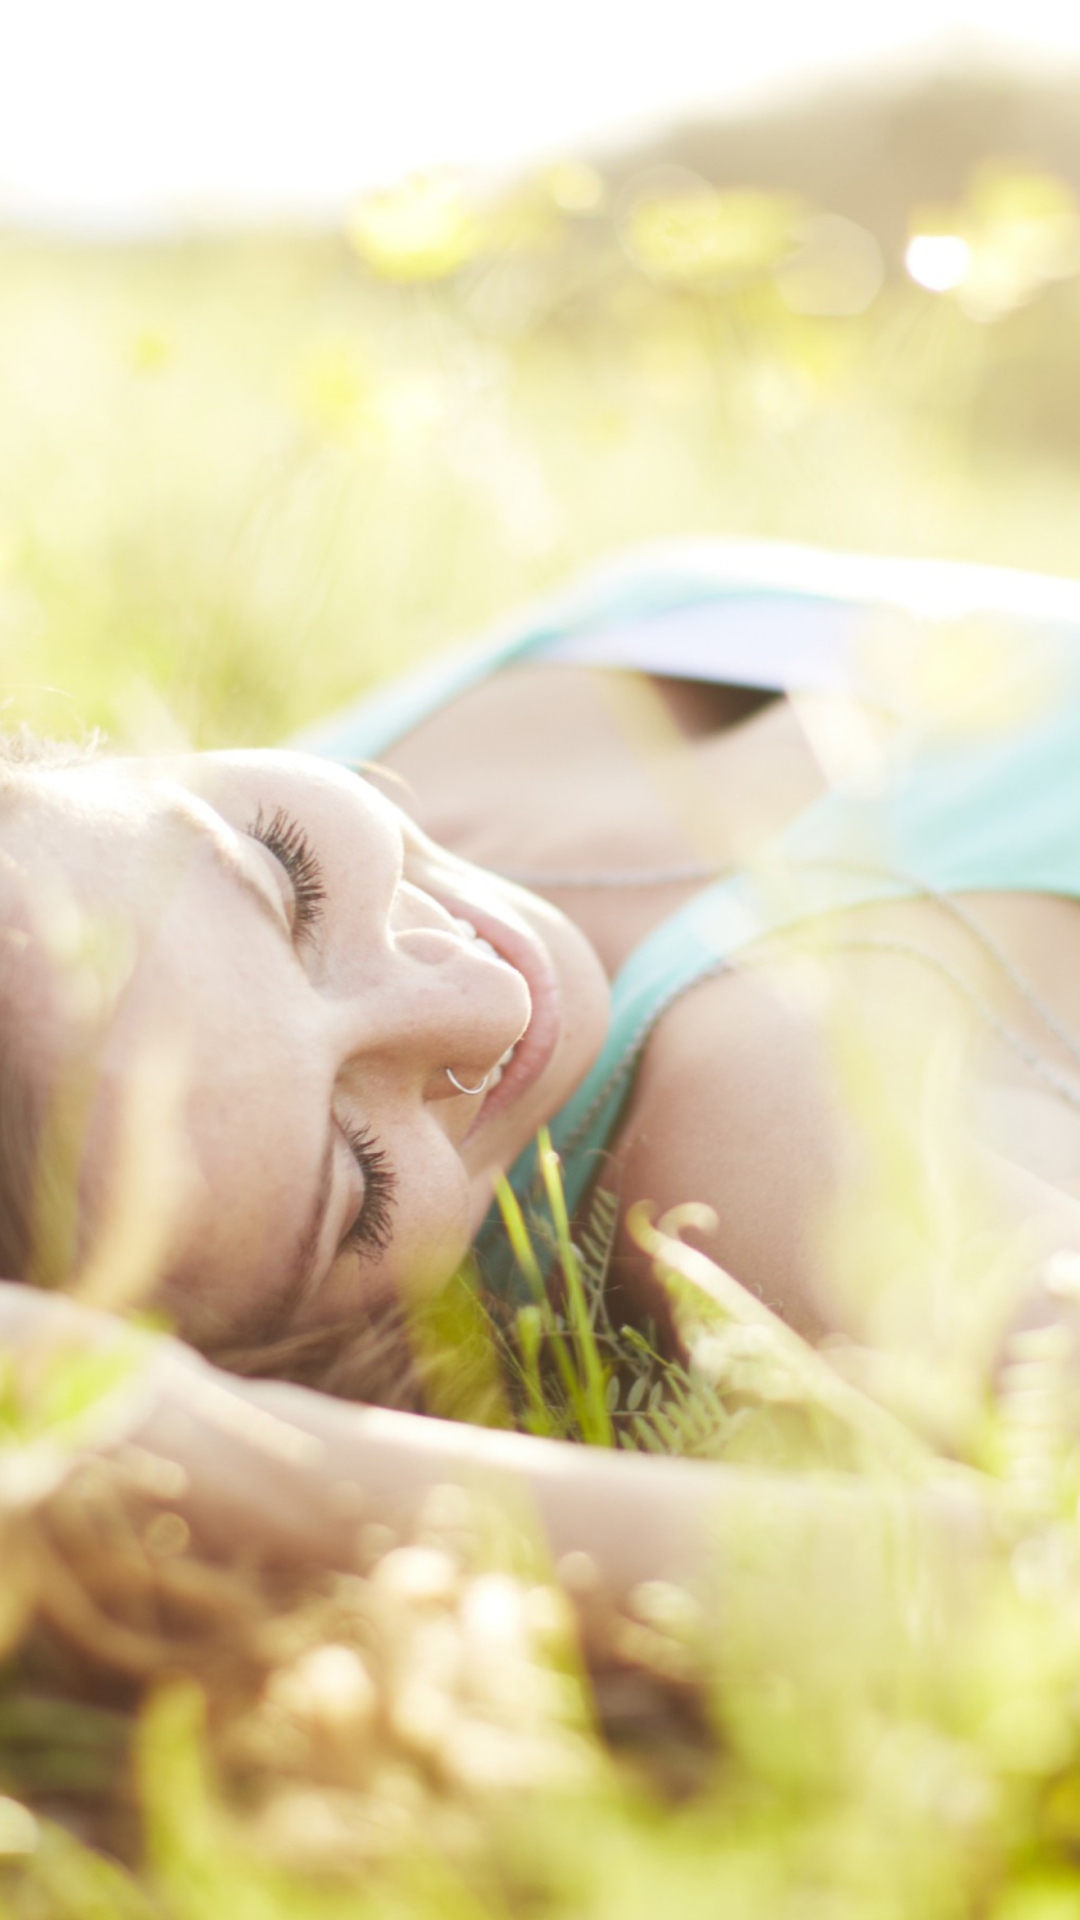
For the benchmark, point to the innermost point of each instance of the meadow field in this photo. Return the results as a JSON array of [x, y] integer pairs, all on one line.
[[241, 479]]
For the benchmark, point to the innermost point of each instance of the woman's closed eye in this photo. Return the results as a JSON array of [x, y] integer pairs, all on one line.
[[284, 837], [373, 1228]]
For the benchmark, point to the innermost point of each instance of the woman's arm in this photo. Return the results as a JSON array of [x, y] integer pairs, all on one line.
[[284, 1474]]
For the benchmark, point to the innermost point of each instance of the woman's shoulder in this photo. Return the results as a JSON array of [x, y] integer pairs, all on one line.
[[732, 1107], [841, 1090]]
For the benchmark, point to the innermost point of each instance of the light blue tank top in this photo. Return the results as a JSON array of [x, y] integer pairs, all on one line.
[[971, 675]]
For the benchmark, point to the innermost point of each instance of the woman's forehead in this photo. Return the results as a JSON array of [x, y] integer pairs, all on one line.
[[84, 852], [130, 789], [58, 812], [107, 854], [92, 859]]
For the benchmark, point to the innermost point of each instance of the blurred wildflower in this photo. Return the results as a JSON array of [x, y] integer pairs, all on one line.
[[150, 351], [335, 388], [330, 1686], [575, 187], [680, 230], [1025, 233], [418, 1576], [1016, 231], [424, 229]]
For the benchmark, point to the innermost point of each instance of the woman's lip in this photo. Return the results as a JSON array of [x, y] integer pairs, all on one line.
[[522, 951]]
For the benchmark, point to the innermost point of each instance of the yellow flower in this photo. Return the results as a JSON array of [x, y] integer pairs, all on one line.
[[424, 229], [690, 232]]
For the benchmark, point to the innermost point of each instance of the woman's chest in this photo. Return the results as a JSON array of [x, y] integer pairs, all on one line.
[[614, 799]]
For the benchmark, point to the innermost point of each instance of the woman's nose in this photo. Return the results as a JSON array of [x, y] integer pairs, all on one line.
[[442, 998]]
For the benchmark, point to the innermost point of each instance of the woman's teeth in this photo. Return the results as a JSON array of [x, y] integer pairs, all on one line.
[[477, 940], [496, 1073]]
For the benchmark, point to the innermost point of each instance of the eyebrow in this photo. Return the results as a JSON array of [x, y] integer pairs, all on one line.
[[228, 862], [231, 864]]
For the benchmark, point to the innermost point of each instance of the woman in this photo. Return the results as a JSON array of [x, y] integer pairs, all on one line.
[[325, 1035]]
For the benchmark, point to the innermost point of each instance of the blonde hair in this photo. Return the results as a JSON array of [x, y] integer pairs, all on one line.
[[370, 1356]]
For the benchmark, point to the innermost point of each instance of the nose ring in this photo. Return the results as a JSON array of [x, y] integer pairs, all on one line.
[[455, 1082]]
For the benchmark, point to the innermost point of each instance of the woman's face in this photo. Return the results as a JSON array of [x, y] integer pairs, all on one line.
[[311, 965]]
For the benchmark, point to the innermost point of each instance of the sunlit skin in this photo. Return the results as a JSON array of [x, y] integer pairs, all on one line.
[[292, 1036], [282, 1029]]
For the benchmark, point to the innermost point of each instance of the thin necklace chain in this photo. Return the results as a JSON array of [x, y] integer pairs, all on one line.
[[1017, 979], [1037, 1064]]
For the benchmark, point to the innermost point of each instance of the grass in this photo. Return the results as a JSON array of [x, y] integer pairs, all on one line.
[[239, 481]]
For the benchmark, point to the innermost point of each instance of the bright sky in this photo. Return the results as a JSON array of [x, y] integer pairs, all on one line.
[[120, 113]]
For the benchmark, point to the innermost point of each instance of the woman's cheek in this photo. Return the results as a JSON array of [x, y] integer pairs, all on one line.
[[433, 1231], [482, 1193]]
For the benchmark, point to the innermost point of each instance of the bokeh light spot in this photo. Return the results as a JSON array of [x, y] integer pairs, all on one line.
[[938, 261]]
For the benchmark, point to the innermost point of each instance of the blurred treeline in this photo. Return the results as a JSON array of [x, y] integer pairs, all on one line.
[[242, 476]]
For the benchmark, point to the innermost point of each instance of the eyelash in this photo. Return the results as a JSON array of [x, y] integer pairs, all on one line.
[[285, 838], [374, 1224]]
